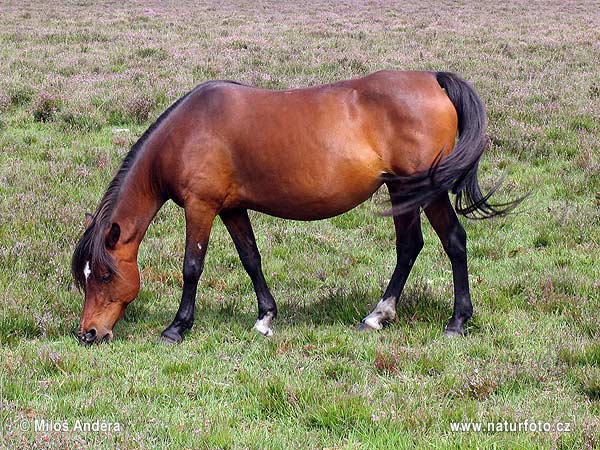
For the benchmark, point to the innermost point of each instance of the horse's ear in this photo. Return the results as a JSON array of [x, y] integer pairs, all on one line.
[[112, 237], [88, 220]]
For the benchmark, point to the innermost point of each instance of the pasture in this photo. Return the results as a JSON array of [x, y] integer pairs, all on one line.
[[81, 81]]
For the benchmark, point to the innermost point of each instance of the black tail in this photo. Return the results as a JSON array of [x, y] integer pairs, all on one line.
[[458, 171]]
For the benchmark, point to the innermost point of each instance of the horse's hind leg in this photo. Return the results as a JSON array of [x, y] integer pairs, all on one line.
[[442, 217], [199, 219], [409, 242], [240, 229]]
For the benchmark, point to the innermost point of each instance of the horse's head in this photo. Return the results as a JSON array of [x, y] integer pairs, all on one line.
[[105, 268]]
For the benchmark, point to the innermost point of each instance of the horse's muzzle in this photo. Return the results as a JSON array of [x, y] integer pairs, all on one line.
[[91, 337]]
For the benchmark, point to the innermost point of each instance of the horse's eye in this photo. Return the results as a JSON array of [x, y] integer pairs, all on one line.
[[105, 278]]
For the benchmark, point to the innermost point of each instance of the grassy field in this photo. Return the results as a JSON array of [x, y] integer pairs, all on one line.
[[79, 83]]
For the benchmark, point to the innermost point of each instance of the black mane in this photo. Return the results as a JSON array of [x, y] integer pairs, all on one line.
[[92, 247]]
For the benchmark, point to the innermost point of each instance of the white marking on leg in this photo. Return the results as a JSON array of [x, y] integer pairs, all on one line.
[[86, 270], [199, 246], [263, 326], [385, 311]]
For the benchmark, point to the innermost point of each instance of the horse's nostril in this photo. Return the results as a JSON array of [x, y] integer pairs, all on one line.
[[90, 336]]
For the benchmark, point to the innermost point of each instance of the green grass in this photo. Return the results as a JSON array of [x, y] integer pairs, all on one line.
[[80, 82]]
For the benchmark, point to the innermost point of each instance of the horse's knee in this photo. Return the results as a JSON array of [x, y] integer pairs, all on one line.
[[192, 269]]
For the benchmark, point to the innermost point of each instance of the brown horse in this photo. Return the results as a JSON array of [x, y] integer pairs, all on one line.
[[302, 154]]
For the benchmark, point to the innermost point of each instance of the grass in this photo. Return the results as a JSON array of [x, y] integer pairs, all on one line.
[[79, 82]]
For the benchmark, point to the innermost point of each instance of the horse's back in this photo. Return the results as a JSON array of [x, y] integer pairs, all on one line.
[[405, 116], [312, 152]]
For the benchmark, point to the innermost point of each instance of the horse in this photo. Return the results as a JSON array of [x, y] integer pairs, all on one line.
[[300, 154]]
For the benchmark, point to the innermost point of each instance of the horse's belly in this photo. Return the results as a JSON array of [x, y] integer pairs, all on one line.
[[313, 201]]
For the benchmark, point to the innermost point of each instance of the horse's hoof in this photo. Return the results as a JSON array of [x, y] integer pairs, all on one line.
[[263, 326], [454, 332], [365, 327], [170, 338], [267, 332]]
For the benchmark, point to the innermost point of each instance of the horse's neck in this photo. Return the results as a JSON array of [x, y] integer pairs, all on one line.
[[137, 204]]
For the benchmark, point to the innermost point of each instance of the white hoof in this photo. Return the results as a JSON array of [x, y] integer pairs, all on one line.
[[373, 322], [453, 333], [363, 327], [384, 312], [263, 326]]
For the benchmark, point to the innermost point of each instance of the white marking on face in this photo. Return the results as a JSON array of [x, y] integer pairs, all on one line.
[[385, 311], [86, 270], [199, 246], [263, 326]]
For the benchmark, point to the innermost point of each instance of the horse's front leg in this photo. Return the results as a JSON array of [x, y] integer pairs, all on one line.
[[198, 219], [240, 229]]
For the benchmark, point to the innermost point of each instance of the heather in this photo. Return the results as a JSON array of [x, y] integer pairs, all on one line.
[[80, 82]]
